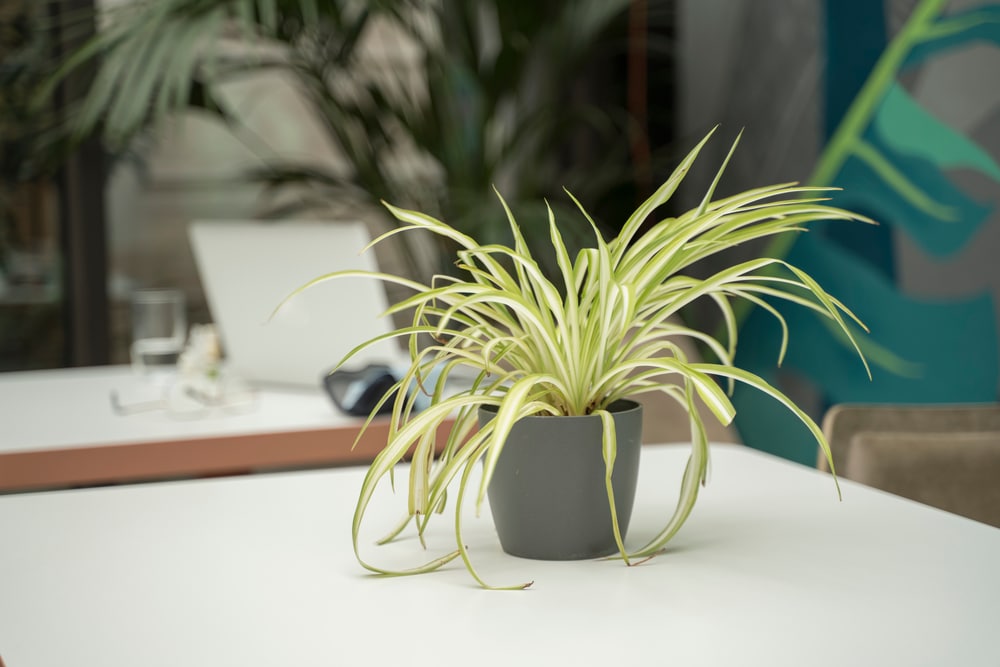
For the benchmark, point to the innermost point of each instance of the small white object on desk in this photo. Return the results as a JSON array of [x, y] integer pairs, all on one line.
[[59, 429]]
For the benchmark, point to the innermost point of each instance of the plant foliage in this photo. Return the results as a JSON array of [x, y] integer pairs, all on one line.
[[484, 93], [604, 330]]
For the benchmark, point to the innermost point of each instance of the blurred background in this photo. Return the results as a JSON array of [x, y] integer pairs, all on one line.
[[279, 109]]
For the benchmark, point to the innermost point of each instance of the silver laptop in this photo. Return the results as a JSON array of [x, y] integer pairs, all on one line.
[[248, 267]]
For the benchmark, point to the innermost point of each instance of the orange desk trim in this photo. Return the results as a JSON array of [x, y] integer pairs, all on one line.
[[194, 457]]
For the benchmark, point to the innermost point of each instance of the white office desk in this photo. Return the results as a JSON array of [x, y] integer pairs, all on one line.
[[57, 428], [769, 570]]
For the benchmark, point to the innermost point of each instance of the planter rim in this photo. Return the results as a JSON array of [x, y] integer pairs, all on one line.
[[622, 405]]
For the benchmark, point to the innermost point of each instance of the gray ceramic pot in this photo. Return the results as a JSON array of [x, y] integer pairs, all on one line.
[[548, 495]]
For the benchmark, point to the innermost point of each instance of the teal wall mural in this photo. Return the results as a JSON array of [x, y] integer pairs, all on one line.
[[898, 164]]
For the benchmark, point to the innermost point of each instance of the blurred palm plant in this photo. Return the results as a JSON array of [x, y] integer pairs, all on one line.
[[495, 97], [33, 320], [27, 153]]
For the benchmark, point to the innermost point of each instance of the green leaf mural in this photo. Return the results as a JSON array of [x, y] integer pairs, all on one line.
[[897, 163], [958, 30], [903, 124]]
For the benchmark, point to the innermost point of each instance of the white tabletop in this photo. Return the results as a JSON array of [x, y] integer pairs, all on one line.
[[71, 407], [770, 570], [58, 429]]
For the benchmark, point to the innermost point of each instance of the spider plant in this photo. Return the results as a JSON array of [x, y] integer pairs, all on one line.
[[604, 330]]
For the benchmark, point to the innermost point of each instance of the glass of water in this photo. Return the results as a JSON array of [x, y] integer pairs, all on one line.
[[159, 329]]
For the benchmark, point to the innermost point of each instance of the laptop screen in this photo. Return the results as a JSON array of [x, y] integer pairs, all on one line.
[[248, 267]]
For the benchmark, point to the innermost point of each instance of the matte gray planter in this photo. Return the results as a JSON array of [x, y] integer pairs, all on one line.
[[548, 496]]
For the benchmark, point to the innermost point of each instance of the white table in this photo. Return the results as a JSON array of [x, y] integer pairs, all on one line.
[[770, 570], [58, 429]]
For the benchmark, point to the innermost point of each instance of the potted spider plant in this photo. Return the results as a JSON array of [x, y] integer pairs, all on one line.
[[564, 356]]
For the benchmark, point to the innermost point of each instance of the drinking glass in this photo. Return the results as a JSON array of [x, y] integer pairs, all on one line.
[[159, 327]]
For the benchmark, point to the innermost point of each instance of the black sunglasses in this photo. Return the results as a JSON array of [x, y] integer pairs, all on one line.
[[356, 392]]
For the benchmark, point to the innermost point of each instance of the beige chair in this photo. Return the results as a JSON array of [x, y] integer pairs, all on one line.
[[947, 456]]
